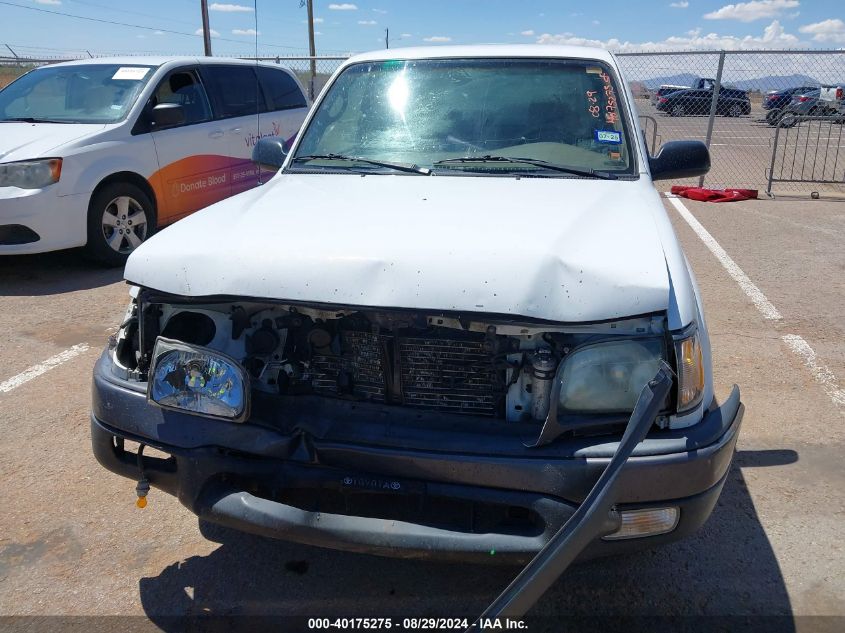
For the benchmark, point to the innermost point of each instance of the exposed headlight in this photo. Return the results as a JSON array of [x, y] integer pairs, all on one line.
[[31, 174], [690, 372], [608, 377], [198, 380]]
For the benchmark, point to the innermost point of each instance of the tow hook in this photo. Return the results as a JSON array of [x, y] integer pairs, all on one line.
[[143, 486], [594, 518]]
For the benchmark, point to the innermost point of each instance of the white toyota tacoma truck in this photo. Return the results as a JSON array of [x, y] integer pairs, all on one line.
[[426, 334]]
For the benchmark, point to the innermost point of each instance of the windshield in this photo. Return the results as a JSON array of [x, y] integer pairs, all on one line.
[[96, 93], [423, 112]]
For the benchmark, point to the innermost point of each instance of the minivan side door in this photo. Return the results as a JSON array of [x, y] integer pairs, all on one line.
[[287, 105], [192, 157], [250, 102]]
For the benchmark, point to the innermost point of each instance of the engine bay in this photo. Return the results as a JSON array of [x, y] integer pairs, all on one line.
[[452, 363]]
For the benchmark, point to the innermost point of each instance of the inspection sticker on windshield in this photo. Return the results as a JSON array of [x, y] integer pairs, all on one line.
[[132, 73], [608, 136]]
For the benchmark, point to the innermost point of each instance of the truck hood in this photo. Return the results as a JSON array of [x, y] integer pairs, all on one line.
[[565, 250], [22, 141]]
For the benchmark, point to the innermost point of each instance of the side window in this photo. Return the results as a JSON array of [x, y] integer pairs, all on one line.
[[281, 90], [183, 87], [235, 90]]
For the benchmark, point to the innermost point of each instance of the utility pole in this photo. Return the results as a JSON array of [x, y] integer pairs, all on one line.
[[312, 51], [206, 32], [387, 38]]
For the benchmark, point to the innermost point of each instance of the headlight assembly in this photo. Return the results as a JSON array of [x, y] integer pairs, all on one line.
[[690, 372], [198, 380], [31, 174], [608, 377]]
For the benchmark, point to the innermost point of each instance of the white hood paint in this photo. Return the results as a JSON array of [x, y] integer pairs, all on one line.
[[565, 250], [23, 141]]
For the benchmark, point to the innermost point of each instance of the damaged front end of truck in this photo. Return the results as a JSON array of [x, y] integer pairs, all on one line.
[[404, 432]]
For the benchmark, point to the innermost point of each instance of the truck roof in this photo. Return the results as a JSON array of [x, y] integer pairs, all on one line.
[[486, 50]]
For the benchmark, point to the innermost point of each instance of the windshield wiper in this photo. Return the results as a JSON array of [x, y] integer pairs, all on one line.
[[29, 119], [536, 162], [413, 169]]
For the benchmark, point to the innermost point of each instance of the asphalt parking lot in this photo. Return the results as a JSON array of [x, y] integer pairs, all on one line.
[[72, 541]]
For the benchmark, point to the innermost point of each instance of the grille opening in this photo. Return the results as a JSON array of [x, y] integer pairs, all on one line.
[[15, 234], [459, 515], [421, 369]]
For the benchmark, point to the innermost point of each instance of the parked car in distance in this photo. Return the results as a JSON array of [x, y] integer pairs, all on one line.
[[416, 367], [815, 102], [776, 99], [99, 153], [731, 102]]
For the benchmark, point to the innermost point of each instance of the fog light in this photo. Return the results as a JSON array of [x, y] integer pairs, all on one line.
[[648, 522]]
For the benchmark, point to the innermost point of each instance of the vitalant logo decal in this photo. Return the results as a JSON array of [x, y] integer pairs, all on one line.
[[251, 139]]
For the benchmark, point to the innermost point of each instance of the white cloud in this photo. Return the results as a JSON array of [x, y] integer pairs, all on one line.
[[54, 3], [212, 31], [832, 30], [158, 32], [367, 22], [437, 39], [346, 6], [245, 32], [229, 8], [774, 36], [527, 33], [407, 35], [596, 22], [683, 4], [754, 10], [318, 32], [382, 11]]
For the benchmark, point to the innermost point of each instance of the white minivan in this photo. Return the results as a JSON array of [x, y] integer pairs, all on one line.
[[99, 153]]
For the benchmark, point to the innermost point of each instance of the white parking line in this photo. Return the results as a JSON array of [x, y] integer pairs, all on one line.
[[797, 344], [42, 368], [766, 308], [821, 373]]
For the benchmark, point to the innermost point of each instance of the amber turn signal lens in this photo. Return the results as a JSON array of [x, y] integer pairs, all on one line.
[[690, 372]]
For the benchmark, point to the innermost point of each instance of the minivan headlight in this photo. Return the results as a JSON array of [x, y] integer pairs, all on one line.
[[690, 372], [608, 377], [198, 380], [31, 174]]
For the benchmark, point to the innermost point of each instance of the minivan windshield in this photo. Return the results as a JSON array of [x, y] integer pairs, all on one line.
[[553, 117], [90, 93]]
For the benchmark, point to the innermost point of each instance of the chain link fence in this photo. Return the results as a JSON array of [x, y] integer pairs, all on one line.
[[734, 101]]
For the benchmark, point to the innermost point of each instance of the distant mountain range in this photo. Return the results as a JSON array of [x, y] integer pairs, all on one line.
[[763, 84]]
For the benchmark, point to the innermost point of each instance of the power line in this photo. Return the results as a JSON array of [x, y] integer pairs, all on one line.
[[137, 26], [108, 8]]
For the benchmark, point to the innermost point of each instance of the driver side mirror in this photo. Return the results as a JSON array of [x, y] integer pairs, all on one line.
[[168, 115], [680, 159], [270, 152]]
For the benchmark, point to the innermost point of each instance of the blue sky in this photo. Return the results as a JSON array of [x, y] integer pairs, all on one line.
[[169, 26]]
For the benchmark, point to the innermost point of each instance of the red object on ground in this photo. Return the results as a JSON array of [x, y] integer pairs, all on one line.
[[714, 195]]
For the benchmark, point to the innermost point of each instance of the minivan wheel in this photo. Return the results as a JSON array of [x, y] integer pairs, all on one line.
[[788, 120], [735, 110], [120, 217], [678, 110]]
